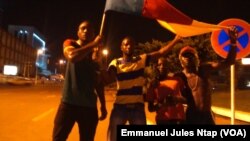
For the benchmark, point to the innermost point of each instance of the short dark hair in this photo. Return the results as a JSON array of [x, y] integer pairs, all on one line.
[[130, 38]]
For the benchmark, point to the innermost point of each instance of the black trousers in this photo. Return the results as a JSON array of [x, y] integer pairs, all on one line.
[[193, 116], [67, 115]]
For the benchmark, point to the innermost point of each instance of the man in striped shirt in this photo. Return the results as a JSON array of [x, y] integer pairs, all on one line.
[[128, 72]]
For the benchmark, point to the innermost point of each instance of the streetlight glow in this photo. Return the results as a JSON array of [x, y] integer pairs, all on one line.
[[39, 52], [105, 53], [62, 63]]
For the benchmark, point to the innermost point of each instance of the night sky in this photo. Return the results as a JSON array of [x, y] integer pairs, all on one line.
[[58, 20]]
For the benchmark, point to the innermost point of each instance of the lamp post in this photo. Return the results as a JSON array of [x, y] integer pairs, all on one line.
[[61, 65], [105, 53], [39, 52]]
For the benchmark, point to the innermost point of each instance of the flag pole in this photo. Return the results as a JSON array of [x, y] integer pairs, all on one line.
[[99, 49], [102, 23]]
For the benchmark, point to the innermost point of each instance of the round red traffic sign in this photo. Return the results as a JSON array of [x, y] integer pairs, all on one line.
[[221, 42]]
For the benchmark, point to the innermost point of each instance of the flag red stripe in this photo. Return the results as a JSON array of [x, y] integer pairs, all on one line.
[[162, 10]]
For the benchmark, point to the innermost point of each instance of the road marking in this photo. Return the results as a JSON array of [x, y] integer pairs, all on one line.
[[39, 117], [240, 115]]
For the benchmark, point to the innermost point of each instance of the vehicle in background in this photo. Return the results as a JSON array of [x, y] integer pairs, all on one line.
[[57, 77], [243, 77], [15, 80]]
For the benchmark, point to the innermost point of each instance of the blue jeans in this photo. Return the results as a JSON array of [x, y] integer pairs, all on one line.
[[134, 114]]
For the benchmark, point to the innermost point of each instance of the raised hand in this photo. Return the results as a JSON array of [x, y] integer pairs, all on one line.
[[233, 34]]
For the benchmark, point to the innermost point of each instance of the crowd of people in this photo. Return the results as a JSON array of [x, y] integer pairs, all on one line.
[[85, 81]]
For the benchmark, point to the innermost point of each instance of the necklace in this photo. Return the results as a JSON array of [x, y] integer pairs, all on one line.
[[192, 80]]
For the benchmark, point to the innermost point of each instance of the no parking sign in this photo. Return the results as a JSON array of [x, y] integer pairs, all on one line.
[[221, 42]]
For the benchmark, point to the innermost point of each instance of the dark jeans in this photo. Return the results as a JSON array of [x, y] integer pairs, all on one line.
[[194, 116], [67, 115], [134, 114]]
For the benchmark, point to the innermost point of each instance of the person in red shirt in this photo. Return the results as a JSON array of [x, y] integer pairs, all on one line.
[[163, 96]]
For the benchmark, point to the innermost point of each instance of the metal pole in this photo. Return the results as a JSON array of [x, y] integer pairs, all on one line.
[[29, 69], [39, 51], [36, 75], [106, 61], [24, 69], [232, 94]]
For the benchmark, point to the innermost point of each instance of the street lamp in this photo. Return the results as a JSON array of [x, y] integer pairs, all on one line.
[[39, 52], [61, 65], [105, 53]]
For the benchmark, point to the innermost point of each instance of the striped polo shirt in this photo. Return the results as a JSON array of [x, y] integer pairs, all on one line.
[[130, 79]]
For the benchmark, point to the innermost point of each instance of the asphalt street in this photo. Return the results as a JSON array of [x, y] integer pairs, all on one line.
[[27, 113]]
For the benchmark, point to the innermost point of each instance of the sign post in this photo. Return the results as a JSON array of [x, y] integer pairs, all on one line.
[[221, 44]]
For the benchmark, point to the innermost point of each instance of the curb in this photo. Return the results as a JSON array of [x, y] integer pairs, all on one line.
[[239, 115]]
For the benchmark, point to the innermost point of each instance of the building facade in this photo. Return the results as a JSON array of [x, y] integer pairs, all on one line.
[[33, 38], [14, 51]]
